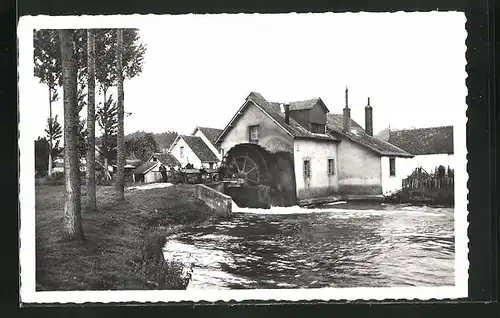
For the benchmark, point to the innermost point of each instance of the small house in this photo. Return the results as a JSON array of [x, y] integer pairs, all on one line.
[[193, 150], [149, 171]]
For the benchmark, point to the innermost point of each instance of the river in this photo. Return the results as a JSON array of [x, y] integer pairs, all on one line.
[[340, 245]]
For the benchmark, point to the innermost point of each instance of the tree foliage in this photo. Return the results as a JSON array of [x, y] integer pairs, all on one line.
[[107, 120], [140, 145], [54, 131], [133, 56]]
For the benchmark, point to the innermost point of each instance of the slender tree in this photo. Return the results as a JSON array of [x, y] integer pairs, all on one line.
[[72, 224], [53, 132], [120, 140], [107, 119], [47, 67], [91, 187]]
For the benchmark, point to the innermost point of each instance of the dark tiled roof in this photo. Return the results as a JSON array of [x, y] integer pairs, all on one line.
[[146, 166], [304, 104], [294, 128], [359, 136], [211, 133], [166, 159], [338, 121], [424, 141], [200, 149]]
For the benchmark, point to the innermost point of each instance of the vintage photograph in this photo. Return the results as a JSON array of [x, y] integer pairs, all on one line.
[[243, 157]]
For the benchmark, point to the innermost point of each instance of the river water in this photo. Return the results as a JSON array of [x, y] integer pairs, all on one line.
[[339, 245]]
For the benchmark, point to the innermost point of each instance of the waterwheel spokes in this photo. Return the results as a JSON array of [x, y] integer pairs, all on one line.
[[244, 164], [253, 169], [252, 180]]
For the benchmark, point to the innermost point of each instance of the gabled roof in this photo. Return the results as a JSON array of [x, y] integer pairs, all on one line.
[[424, 141], [166, 159], [308, 104], [199, 148], [273, 110], [211, 133], [360, 137], [145, 167]]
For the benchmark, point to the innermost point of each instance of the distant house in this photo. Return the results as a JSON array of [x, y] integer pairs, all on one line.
[[193, 150], [302, 150], [149, 171], [431, 147], [209, 136]]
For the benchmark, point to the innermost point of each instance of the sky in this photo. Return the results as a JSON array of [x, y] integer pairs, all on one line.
[[199, 69]]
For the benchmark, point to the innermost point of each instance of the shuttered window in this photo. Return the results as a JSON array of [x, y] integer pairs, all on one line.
[[331, 166], [392, 167], [307, 168]]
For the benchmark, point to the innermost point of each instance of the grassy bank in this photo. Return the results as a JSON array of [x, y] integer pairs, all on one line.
[[123, 241]]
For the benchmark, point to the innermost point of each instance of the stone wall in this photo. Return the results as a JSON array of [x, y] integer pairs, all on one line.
[[220, 203]]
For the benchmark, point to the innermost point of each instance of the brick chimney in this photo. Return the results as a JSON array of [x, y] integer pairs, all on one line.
[[286, 107], [369, 119], [347, 115]]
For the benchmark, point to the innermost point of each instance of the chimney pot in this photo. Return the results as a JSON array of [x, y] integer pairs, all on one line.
[[287, 113], [347, 115], [369, 119]]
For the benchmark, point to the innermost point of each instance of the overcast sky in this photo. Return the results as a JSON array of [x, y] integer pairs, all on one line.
[[199, 69]]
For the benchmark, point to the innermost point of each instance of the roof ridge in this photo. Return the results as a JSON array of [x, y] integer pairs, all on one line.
[[421, 128]]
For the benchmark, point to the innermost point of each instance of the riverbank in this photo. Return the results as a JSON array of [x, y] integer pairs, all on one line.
[[123, 241]]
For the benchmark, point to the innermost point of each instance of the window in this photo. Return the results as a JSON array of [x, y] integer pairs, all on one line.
[[222, 153], [211, 165], [307, 168], [182, 151], [253, 133], [392, 167], [318, 128], [331, 166]]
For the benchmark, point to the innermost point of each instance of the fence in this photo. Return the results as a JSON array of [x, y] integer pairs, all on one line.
[[424, 182]]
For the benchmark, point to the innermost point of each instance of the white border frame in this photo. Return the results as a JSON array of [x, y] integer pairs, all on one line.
[[28, 291]]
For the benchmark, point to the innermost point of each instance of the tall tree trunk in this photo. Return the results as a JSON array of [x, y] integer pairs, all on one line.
[[105, 142], [120, 160], [49, 171], [91, 187], [72, 224]]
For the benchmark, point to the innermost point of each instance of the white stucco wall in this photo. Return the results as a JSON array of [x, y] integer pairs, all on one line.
[[272, 137], [198, 133], [152, 176], [189, 155], [393, 183], [320, 183], [405, 166], [359, 169]]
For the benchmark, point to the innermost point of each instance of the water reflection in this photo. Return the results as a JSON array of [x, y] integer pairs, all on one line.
[[345, 245]]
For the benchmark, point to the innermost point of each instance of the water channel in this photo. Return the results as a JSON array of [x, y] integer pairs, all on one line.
[[339, 245]]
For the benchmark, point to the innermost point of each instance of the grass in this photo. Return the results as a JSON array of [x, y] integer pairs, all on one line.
[[123, 240]]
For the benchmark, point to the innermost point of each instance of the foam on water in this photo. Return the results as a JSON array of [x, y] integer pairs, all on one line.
[[345, 212], [150, 186]]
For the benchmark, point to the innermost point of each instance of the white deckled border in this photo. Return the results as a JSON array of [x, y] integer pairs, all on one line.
[[27, 200]]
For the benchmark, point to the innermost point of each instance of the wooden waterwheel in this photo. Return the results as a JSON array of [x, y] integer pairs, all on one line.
[[248, 164], [245, 168]]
